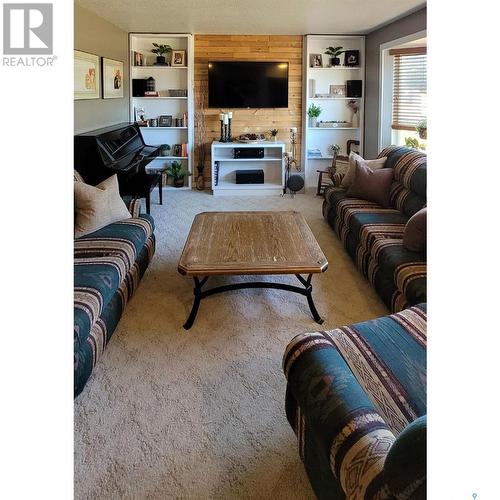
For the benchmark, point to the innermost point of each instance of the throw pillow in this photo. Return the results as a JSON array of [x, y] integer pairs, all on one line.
[[77, 177], [415, 233], [351, 169], [98, 206], [371, 185]]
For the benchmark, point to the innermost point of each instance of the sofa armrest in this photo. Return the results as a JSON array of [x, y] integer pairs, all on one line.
[[405, 465], [133, 205], [336, 414]]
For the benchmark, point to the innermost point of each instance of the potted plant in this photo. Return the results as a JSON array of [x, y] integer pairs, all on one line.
[[160, 50], [412, 142], [334, 53], [421, 128], [177, 172], [313, 112], [165, 150], [274, 133]]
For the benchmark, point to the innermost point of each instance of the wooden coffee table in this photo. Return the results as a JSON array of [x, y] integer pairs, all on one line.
[[244, 243]]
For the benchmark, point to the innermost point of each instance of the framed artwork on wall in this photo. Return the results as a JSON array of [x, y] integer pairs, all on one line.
[[112, 78], [87, 76]]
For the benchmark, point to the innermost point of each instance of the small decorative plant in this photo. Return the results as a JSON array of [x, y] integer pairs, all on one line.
[[274, 133], [160, 50], [313, 112], [165, 149], [334, 149], [334, 53], [412, 142], [177, 172], [421, 128]]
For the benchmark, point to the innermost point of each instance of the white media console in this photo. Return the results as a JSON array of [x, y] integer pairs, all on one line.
[[224, 167]]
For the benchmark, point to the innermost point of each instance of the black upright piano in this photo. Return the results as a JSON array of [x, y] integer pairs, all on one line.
[[118, 149]]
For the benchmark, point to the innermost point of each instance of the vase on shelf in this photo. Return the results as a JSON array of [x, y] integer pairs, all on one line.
[[313, 122], [335, 61], [355, 120]]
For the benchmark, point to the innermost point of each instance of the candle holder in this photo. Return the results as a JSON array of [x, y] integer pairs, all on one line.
[[229, 138], [225, 133], [222, 137]]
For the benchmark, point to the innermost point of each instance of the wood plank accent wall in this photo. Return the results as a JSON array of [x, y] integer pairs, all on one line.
[[250, 48]]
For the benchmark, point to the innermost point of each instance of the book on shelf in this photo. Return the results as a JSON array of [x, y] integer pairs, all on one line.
[[151, 93], [314, 153]]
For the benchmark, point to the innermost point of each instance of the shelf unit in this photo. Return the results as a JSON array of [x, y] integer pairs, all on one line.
[[224, 167], [166, 77], [333, 108]]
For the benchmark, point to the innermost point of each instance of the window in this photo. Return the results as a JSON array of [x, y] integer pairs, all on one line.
[[409, 102]]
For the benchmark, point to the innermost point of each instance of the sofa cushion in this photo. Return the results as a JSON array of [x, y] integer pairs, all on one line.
[[96, 280], [354, 158], [101, 262], [98, 206], [125, 238], [372, 185], [415, 234], [407, 270]]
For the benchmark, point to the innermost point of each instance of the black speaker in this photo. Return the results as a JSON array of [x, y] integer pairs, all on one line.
[[249, 152], [249, 176], [138, 87], [354, 88]]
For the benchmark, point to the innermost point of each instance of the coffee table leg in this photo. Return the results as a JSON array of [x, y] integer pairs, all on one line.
[[310, 301], [196, 304]]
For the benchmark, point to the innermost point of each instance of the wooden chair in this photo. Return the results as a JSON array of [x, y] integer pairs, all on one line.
[[330, 172]]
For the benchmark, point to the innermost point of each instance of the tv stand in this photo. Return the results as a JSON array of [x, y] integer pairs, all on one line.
[[224, 167]]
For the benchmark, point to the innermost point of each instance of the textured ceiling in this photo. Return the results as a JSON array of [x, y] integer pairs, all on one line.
[[251, 16]]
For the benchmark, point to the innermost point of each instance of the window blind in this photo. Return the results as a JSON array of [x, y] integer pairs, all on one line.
[[409, 104]]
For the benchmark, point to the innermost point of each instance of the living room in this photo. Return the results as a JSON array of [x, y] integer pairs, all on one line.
[[250, 247]]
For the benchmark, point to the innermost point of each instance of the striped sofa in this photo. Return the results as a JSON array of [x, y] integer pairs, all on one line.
[[108, 265], [356, 399], [372, 235]]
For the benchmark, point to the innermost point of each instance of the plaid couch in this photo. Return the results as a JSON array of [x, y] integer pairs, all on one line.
[[108, 265], [372, 235], [356, 399]]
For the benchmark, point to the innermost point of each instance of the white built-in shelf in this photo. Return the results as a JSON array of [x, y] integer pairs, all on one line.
[[173, 188], [154, 98], [248, 159], [336, 68], [154, 66], [165, 128], [317, 89], [334, 98], [333, 128], [165, 102]]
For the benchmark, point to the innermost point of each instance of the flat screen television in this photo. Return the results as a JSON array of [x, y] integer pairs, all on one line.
[[245, 84]]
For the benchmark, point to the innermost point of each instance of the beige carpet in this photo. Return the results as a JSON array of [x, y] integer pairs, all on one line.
[[200, 414]]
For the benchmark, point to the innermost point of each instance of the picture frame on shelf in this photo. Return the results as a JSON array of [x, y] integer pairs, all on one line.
[[337, 90], [112, 79], [315, 60], [139, 114], [178, 58], [165, 121], [87, 76], [138, 58], [351, 58], [177, 150]]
